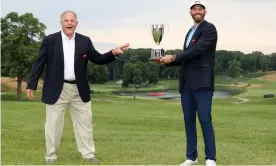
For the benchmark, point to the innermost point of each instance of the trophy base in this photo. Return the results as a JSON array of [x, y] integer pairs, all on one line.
[[155, 59], [157, 54]]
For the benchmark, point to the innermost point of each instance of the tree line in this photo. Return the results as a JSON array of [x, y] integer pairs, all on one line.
[[21, 36], [134, 67]]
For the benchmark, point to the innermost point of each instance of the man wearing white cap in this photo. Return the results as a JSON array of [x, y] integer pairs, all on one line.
[[196, 83]]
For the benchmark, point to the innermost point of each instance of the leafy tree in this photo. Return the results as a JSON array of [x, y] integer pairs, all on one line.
[[153, 73], [20, 41], [264, 63], [218, 66], [128, 74], [224, 57], [135, 74], [234, 68], [273, 61], [97, 73], [137, 78], [168, 71]]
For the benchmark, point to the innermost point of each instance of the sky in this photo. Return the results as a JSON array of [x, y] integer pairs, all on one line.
[[242, 25]]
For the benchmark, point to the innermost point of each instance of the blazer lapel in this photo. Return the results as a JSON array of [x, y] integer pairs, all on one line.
[[198, 29], [77, 46], [60, 48]]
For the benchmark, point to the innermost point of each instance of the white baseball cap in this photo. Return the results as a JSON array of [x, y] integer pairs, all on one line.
[[197, 2]]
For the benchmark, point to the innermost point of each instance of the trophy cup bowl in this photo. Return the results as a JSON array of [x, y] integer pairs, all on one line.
[[157, 31]]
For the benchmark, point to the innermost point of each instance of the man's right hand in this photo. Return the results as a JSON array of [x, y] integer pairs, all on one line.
[[30, 93], [157, 61]]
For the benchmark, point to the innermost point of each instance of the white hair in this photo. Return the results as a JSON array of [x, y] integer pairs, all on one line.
[[68, 11]]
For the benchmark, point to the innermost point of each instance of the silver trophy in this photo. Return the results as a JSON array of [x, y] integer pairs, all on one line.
[[157, 31]]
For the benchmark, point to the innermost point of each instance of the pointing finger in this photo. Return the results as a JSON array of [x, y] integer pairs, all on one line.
[[124, 46]]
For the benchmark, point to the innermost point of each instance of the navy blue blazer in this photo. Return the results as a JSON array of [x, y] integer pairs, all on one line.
[[197, 60], [51, 55]]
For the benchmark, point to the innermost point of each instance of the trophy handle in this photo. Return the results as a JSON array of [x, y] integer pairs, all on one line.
[[167, 28]]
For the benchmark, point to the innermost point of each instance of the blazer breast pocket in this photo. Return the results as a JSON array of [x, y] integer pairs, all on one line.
[[84, 56], [81, 58]]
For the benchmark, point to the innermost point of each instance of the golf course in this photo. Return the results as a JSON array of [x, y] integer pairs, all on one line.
[[145, 130]]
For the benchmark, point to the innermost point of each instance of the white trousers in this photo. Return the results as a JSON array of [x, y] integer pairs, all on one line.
[[81, 116]]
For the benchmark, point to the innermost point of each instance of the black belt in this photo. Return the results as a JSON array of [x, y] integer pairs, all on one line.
[[71, 82]]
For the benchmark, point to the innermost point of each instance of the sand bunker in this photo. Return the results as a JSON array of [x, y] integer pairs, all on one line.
[[270, 77], [246, 85], [12, 83]]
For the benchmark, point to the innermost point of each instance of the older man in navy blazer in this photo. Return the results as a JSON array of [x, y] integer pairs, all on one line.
[[66, 54], [196, 82]]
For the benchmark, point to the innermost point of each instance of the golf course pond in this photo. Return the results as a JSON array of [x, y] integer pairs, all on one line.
[[169, 95]]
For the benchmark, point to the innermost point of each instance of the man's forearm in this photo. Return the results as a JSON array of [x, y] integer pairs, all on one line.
[[38, 66], [101, 59]]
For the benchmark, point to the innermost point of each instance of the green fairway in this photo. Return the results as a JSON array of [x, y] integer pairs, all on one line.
[[130, 131]]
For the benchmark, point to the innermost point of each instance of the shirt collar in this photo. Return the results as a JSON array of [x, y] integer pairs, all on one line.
[[66, 37], [196, 25]]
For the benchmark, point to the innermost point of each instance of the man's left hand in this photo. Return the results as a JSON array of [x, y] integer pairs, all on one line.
[[168, 59], [120, 49]]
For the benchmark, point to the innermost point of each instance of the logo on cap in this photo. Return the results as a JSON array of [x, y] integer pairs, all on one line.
[[197, 3]]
